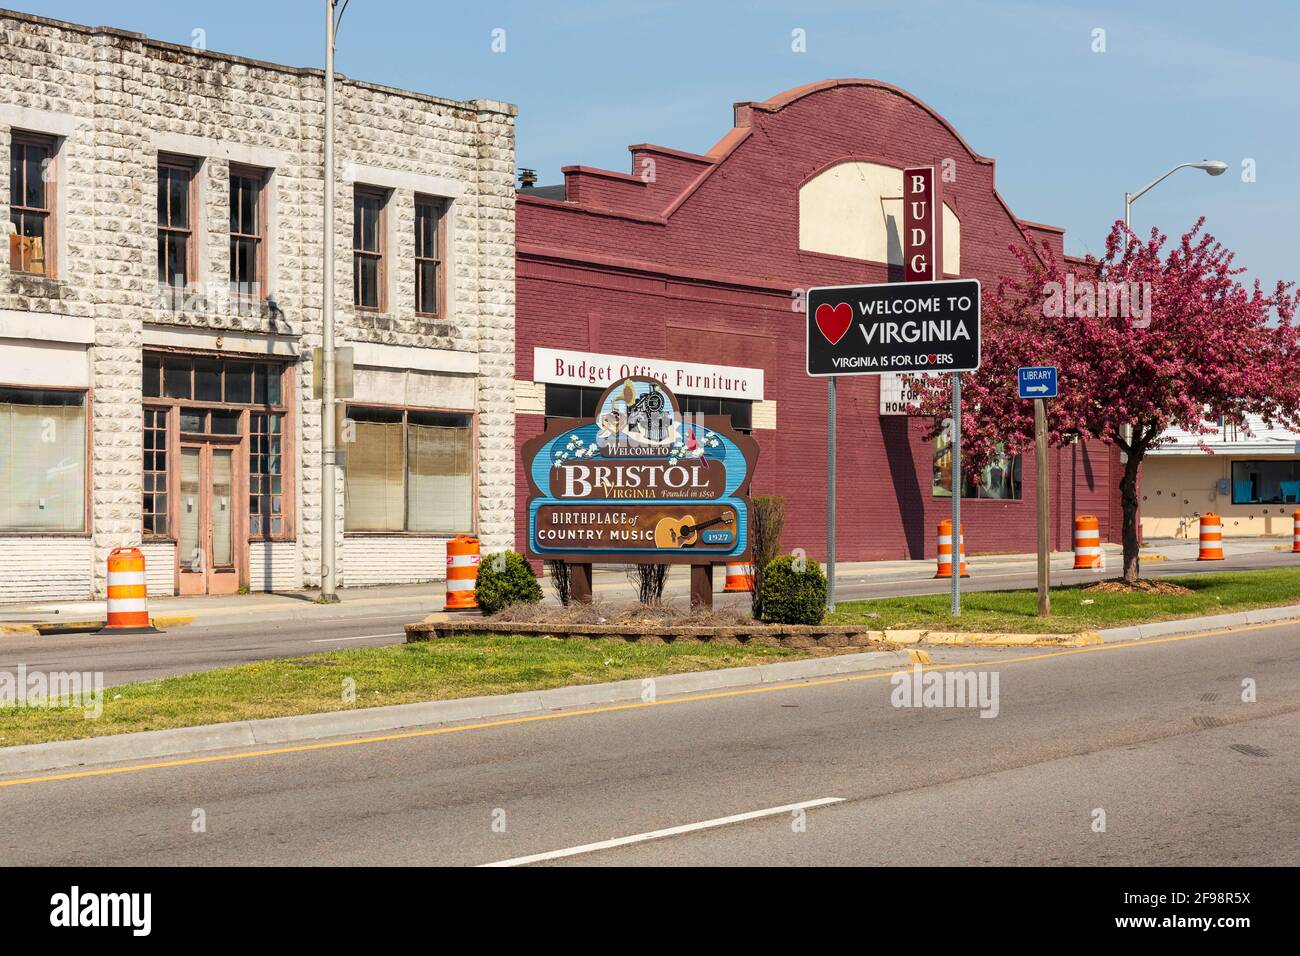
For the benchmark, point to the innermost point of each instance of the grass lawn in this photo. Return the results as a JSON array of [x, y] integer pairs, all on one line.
[[402, 674], [1017, 611]]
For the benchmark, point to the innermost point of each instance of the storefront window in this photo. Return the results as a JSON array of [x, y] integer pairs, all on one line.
[[196, 399], [1265, 482], [265, 475], [1000, 478], [42, 460], [409, 470]]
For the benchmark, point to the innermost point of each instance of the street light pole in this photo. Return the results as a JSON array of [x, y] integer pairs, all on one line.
[[1211, 166], [328, 557]]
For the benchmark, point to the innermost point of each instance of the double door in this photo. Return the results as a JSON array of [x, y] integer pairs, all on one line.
[[210, 549]]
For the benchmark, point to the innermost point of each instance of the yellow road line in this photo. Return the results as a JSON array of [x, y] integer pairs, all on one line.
[[614, 708]]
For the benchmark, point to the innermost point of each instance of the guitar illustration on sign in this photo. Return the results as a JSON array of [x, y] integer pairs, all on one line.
[[683, 532]]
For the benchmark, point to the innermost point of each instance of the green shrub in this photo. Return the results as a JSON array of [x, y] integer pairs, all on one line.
[[794, 591], [505, 579]]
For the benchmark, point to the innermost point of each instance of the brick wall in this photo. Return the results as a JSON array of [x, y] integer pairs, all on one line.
[[701, 266]]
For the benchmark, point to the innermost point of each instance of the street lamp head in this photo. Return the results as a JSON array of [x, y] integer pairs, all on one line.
[[1212, 166]]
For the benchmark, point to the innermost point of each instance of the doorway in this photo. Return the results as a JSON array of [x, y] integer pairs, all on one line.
[[208, 545]]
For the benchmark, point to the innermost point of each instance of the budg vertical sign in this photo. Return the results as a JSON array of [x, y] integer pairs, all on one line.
[[894, 327]]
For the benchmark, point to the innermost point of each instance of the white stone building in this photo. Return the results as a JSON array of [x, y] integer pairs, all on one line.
[[161, 300]]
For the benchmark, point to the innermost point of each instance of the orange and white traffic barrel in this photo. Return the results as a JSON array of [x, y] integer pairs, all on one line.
[[1211, 538], [945, 551], [128, 595], [740, 576], [462, 573], [1295, 532], [1087, 543]]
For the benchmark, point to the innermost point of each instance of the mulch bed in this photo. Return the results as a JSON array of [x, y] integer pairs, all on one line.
[[1141, 586], [652, 624]]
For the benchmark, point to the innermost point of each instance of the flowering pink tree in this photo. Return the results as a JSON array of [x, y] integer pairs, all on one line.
[[1144, 340]]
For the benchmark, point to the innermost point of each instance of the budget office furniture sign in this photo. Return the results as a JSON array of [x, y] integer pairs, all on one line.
[[640, 483], [894, 327], [568, 367]]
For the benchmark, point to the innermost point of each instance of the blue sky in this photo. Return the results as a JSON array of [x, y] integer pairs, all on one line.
[[1071, 129]]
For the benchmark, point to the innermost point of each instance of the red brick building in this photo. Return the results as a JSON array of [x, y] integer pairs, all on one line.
[[691, 266]]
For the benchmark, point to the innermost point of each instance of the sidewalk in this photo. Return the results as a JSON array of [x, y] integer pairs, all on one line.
[[608, 583]]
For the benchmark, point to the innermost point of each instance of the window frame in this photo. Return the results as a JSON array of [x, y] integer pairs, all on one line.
[[87, 529], [380, 255], [440, 207], [288, 441], [1015, 463], [262, 177], [473, 475], [51, 208], [168, 478], [192, 166], [1247, 463]]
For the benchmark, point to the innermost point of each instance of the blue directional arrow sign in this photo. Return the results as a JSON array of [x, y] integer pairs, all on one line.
[[1037, 381]]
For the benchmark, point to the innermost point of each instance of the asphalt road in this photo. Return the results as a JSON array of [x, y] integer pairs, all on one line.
[[1155, 734], [247, 637]]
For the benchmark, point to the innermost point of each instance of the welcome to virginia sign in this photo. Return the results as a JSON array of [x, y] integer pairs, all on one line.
[[640, 483], [894, 327]]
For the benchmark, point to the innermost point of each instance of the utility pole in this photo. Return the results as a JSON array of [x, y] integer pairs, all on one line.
[[328, 476]]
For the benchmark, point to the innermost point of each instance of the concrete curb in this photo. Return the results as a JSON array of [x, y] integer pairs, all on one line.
[[1186, 625], [54, 628], [965, 639], [306, 727]]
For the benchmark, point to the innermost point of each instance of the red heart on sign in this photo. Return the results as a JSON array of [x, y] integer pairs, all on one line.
[[834, 321]]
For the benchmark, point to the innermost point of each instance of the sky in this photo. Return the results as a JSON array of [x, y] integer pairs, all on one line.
[[1073, 116]]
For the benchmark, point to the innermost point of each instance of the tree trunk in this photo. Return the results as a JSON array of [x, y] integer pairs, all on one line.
[[1128, 496]]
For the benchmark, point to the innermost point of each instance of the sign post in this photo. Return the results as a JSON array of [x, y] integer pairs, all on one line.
[[830, 493], [1040, 383], [910, 328], [927, 324]]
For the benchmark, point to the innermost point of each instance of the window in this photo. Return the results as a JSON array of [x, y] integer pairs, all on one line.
[[410, 470], [1265, 482], [428, 255], [1000, 478], [219, 400], [42, 460], [247, 233], [265, 474], [155, 472], [739, 410], [579, 401], [217, 381], [571, 401], [31, 202], [177, 250], [368, 249]]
